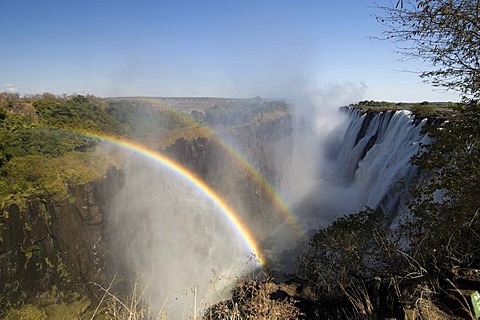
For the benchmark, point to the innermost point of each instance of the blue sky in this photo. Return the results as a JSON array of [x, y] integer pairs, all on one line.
[[226, 48]]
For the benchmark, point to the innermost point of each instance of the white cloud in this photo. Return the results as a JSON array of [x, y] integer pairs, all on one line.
[[82, 91], [10, 87]]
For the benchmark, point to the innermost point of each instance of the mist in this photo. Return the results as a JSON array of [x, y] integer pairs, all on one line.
[[173, 241], [311, 171]]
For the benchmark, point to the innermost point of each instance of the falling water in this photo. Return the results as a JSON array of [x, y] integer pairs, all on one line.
[[371, 167], [375, 157]]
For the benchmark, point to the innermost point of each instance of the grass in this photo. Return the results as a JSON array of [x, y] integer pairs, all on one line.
[[53, 305]]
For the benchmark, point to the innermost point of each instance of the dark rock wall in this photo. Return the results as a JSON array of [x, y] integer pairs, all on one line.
[[62, 244]]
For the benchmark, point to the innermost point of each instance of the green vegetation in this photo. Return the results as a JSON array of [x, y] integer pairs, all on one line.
[[138, 119], [242, 114], [48, 306], [423, 109], [42, 148], [47, 177], [75, 113]]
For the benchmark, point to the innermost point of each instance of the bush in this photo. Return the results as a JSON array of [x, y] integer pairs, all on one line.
[[354, 247], [252, 299]]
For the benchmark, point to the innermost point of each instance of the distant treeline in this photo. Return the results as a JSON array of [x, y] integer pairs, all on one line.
[[422, 109], [238, 114]]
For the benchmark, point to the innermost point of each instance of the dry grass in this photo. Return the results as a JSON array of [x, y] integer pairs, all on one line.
[[132, 307], [252, 299]]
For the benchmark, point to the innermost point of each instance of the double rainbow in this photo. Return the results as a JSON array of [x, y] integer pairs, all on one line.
[[209, 193], [187, 175]]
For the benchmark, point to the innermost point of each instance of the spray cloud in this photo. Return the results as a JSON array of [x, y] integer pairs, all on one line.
[[173, 241], [178, 244]]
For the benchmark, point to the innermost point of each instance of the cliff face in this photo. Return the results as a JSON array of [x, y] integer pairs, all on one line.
[[62, 244]]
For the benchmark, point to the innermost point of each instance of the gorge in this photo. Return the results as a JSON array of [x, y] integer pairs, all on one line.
[[143, 224]]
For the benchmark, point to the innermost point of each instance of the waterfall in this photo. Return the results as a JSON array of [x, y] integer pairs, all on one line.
[[374, 159], [369, 168]]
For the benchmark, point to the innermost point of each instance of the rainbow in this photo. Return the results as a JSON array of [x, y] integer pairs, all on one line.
[[280, 205], [186, 174], [197, 182]]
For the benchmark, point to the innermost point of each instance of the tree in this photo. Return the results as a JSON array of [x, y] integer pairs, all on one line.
[[355, 247], [443, 33], [9, 99], [446, 204], [445, 207]]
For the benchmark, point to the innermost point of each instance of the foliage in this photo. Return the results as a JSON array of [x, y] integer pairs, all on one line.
[[443, 33], [47, 177], [138, 119], [75, 113], [444, 225], [41, 141], [53, 305], [251, 299], [423, 110], [354, 247]]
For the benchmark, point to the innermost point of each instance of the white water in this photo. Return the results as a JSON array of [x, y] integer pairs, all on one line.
[[371, 168], [384, 172]]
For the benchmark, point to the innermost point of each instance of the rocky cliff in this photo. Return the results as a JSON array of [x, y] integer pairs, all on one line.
[[64, 244]]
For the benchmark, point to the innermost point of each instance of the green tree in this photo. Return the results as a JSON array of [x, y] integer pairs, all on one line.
[[76, 112], [444, 227], [443, 33]]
